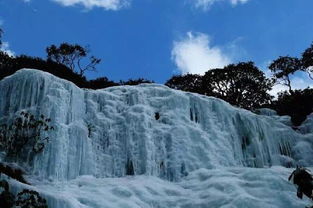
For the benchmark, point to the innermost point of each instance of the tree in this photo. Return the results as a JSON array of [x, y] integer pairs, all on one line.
[[6, 63], [136, 81], [187, 82], [283, 67], [242, 84], [297, 105], [100, 83], [72, 56], [307, 61]]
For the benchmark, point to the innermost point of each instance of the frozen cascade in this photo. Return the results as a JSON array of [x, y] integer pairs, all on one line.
[[204, 144], [99, 132]]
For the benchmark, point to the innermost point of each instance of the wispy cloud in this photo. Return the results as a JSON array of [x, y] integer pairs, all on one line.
[[206, 4], [6, 48], [194, 54], [90, 4]]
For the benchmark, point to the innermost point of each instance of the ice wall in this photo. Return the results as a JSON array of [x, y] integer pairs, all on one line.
[[147, 129]]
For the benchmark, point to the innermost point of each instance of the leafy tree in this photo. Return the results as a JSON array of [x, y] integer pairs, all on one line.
[[25, 130], [187, 82], [72, 56], [136, 81], [9, 65], [284, 67], [297, 105], [307, 60], [6, 63], [100, 83], [242, 84]]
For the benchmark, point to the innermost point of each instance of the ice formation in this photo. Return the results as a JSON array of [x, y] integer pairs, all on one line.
[[158, 133]]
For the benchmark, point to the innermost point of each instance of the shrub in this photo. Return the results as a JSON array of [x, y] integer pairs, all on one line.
[[25, 130], [30, 199]]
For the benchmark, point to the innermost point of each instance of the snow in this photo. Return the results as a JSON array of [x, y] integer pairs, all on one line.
[[201, 152], [222, 187]]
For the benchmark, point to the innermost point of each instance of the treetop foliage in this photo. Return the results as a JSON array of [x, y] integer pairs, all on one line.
[[136, 81], [307, 60], [298, 105], [9, 65], [242, 84], [187, 82], [283, 67], [72, 56]]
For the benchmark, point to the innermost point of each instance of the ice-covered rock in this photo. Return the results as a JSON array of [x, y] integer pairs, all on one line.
[[272, 113], [158, 133], [307, 126], [266, 112], [156, 130]]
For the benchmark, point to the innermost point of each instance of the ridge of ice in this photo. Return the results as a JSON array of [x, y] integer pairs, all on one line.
[[99, 132], [193, 131]]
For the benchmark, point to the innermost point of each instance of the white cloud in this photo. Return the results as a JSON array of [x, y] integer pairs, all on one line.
[[89, 4], [206, 4], [6, 48], [195, 55]]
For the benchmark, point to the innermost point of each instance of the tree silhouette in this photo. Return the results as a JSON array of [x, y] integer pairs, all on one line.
[[297, 105], [73, 57], [100, 83], [136, 81], [187, 82], [283, 67], [307, 60], [242, 84]]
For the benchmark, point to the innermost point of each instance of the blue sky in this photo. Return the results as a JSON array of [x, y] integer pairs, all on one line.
[[155, 39]]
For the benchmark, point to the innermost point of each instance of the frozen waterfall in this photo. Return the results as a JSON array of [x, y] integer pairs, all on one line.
[[152, 128]]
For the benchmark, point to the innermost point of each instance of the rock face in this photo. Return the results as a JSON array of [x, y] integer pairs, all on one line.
[[147, 129]]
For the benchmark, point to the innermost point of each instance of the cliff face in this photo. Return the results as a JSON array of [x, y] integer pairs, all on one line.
[[149, 128], [206, 146]]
